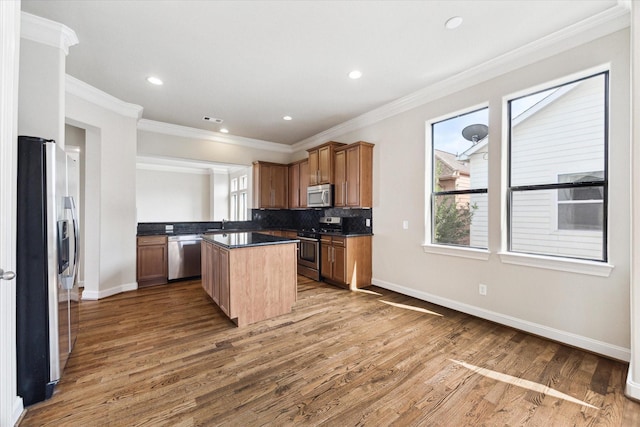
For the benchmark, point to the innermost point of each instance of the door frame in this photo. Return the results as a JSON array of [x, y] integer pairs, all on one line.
[[11, 406]]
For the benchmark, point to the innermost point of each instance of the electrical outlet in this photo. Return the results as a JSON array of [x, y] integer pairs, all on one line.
[[405, 224], [482, 289], [367, 222]]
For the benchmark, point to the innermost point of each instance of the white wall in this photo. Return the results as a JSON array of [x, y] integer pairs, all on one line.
[[219, 196], [172, 196], [584, 310], [110, 224]]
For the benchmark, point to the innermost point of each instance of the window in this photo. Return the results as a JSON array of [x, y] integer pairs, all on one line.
[[459, 159], [557, 194], [580, 208], [238, 199]]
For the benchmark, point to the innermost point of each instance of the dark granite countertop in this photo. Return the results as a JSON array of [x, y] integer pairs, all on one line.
[[244, 240]]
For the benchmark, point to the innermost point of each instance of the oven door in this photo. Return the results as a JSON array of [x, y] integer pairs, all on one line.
[[309, 253]]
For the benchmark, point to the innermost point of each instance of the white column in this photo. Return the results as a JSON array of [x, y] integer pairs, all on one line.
[[633, 378], [10, 403]]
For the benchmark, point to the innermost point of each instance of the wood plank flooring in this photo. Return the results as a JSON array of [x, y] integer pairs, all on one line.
[[167, 356]]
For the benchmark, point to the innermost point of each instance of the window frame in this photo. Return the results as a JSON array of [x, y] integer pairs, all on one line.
[[429, 245], [604, 183]]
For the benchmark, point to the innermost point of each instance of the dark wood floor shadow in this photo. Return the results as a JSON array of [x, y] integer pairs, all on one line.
[[166, 355]]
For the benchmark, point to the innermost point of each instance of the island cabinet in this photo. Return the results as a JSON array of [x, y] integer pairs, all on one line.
[[215, 274], [346, 261], [151, 268], [354, 176], [270, 182], [321, 163], [250, 276], [298, 183]]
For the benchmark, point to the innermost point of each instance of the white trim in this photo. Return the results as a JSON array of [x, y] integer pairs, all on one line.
[[458, 251], [590, 268], [47, 32], [185, 165], [586, 343], [632, 388], [11, 405], [102, 99], [600, 25], [189, 132], [96, 295]]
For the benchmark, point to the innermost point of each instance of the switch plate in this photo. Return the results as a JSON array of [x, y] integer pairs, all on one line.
[[482, 289], [405, 224], [367, 222]]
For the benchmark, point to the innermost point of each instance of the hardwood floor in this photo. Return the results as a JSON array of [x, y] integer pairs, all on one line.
[[167, 355]]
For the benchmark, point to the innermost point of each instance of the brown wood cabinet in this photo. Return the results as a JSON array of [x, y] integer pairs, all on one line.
[[346, 261], [321, 163], [298, 183], [354, 175], [215, 275], [251, 283], [152, 265], [270, 185]]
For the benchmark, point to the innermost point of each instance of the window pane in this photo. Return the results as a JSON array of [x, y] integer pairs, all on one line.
[[243, 182], [580, 216], [460, 161], [556, 128], [234, 184], [460, 220], [534, 229]]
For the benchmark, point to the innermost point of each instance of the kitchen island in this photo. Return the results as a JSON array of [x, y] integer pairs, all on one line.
[[250, 276]]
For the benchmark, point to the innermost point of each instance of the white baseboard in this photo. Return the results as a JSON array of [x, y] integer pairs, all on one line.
[[632, 389], [603, 348], [18, 409], [96, 295]]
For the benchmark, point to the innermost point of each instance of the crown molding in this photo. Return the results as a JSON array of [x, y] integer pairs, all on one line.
[[189, 132], [47, 32], [596, 26], [95, 96], [171, 164]]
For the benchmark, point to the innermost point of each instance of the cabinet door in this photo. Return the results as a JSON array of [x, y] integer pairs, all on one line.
[[340, 176], [223, 278], [205, 267], [352, 192], [324, 165], [314, 178], [303, 183], [215, 280], [152, 262], [264, 184], [326, 263], [339, 264], [294, 186], [279, 185]]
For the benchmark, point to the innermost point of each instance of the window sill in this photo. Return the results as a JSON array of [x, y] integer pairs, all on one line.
[[591, 268], [472, 253]]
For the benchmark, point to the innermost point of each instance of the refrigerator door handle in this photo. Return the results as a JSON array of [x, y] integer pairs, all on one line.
[[69, 279]]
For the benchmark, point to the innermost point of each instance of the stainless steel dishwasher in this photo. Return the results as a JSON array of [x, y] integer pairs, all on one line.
[[184, 256]]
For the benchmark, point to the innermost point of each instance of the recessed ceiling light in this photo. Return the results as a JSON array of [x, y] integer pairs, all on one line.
[[287, 118], [224, 130], [453, 23], [355, 74], [154, 81]]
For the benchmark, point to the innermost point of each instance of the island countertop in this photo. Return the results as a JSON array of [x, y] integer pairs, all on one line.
[[244, 240]]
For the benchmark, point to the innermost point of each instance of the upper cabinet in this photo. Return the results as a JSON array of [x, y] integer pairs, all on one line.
[[354, 175], [298, 183], [321, 163], [270, 184]]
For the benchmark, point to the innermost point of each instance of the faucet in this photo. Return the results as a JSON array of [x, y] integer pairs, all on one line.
[[223, 221]]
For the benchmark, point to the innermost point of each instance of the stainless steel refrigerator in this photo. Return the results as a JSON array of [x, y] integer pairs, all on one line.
[[47, 250]]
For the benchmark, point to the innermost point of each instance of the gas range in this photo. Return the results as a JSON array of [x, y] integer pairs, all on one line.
[[326, 225]]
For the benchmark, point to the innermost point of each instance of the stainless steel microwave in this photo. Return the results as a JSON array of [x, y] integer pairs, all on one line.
[[320, 196]]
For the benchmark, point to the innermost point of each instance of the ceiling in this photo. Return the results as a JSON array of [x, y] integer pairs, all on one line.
[[252, 62]]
